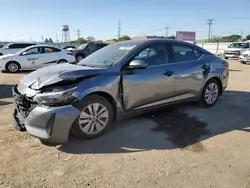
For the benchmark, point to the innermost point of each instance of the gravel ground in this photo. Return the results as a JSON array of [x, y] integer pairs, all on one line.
[[183, 146]]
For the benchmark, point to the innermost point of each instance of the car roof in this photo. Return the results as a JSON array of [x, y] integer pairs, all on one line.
[[153, 40], [42, 45], [145, 42], [21, 43]]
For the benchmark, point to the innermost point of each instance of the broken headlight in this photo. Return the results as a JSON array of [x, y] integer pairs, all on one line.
[[56, 97]]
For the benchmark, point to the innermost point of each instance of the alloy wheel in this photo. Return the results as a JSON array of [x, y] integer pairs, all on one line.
[[94, 118], [79, 58], [13, 67], [211, 93]]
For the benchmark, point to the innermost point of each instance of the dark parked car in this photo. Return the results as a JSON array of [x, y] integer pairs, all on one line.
[[86, 49], [118, 80]]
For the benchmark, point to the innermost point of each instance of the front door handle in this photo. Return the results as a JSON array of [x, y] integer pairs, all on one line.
[[168, 73]]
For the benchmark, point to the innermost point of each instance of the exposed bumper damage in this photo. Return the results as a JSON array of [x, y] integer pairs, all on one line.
[[47, 123]]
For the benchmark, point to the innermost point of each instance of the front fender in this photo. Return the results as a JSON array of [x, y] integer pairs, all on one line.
[[107, 84]]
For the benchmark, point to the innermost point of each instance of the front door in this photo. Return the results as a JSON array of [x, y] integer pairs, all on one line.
[[151, 86], [190, 71], [31, 58]]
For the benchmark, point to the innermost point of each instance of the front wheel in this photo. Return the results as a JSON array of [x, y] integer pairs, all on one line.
[[210, 93], [79, 58], [12, 67], [96, 116]]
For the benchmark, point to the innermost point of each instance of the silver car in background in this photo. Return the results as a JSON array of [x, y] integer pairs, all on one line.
[[118, 80]]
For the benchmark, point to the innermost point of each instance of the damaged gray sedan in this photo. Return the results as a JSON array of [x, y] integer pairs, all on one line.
[[121, 79]]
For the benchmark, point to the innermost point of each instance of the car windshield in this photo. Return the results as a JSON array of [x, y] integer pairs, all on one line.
[[237, 45], [82, 46], [108, 56]]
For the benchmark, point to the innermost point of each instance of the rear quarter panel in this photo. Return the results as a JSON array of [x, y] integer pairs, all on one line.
[[217, 69]]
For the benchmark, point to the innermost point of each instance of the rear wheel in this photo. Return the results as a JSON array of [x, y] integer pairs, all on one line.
[[243, 62], [62, 61], [12, 67], [95, 118], [225, 57], [210, 93]]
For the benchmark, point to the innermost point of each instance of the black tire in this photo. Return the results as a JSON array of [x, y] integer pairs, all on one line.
[[203, 101], [225, 57], [62, 61], [243, 62], [12, 63], [79, 58], [76, 127]]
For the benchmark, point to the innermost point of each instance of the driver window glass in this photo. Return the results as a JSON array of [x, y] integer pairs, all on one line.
[[32, 51], [154, 55]]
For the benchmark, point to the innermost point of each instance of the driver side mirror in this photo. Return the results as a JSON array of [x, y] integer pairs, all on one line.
[[137, 64]]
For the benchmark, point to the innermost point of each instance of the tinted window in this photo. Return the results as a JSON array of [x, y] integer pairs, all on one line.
[[197, 53], [19, 45], [247, 45], [154, 55], [182, 53], [26, 45]]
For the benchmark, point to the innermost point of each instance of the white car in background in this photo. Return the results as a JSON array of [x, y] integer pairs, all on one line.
[[235, 49], [35, 57], [245, 57], [14, 47]]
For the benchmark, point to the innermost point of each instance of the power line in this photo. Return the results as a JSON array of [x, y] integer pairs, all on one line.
[[210, 23], [119, 30], [78, 33]]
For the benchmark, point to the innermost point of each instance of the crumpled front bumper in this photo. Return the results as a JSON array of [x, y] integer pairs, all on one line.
[[51, 124]]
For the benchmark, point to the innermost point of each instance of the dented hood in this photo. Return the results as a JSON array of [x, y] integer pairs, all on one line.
[[57, 73]]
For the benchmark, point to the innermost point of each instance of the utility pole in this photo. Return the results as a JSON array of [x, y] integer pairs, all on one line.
[[210, 23], [242, 35], [119, 30], [78, 33], [57, 40], [166, 30], [42, 39]]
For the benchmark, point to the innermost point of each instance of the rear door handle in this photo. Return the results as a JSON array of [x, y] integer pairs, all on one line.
[[168, 73]]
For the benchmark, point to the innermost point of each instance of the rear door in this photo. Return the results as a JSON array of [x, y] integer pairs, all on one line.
[[49, 56], [153, 85], [189, 70]]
